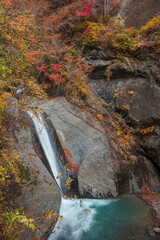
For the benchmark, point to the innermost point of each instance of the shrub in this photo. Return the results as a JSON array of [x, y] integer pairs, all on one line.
[[153, 26], [111, 34], [124, 42]]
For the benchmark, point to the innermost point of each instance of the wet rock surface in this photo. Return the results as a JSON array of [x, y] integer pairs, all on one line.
[[82, 136]]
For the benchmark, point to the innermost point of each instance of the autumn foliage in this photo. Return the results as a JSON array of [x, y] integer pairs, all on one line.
[[74, 166], [152, 198], [41, 50]]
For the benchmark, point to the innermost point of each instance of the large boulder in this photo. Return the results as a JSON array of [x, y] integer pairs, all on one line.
[[85, 143]]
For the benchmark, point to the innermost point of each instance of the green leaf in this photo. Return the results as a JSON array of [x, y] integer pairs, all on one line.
[[32, 226]]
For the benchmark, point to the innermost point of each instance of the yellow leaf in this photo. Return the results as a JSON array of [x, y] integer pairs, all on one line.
[[66, 197]]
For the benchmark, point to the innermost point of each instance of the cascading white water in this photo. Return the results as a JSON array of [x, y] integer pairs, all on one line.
[[78, 217], [43, 136]]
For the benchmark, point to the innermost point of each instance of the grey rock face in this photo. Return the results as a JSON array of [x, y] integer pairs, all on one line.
[[134, 92], [144, 10], [144, 102], [84, 138], [98, 170], [143, 110], [150, 145], [99, 59], [151, 232], [100, 67], [95, 54], [98, 63], [107, 89], [156, 230]]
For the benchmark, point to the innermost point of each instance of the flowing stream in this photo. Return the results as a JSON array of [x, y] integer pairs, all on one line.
[[92, 219]]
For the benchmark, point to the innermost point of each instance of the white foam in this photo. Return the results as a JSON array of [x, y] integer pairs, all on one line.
[[77, 218]]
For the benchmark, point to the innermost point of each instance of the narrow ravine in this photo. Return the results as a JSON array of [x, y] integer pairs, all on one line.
[[90, 219]]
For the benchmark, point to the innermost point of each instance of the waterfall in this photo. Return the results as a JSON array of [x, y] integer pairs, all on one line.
[[54, 154], [46, 145]]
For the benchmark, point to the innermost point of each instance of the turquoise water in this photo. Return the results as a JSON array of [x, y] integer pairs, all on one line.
[[92, 219]]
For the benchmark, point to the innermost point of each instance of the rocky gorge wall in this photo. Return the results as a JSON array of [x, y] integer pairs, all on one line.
[[132, 93], [94, 158], [137, 13]]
